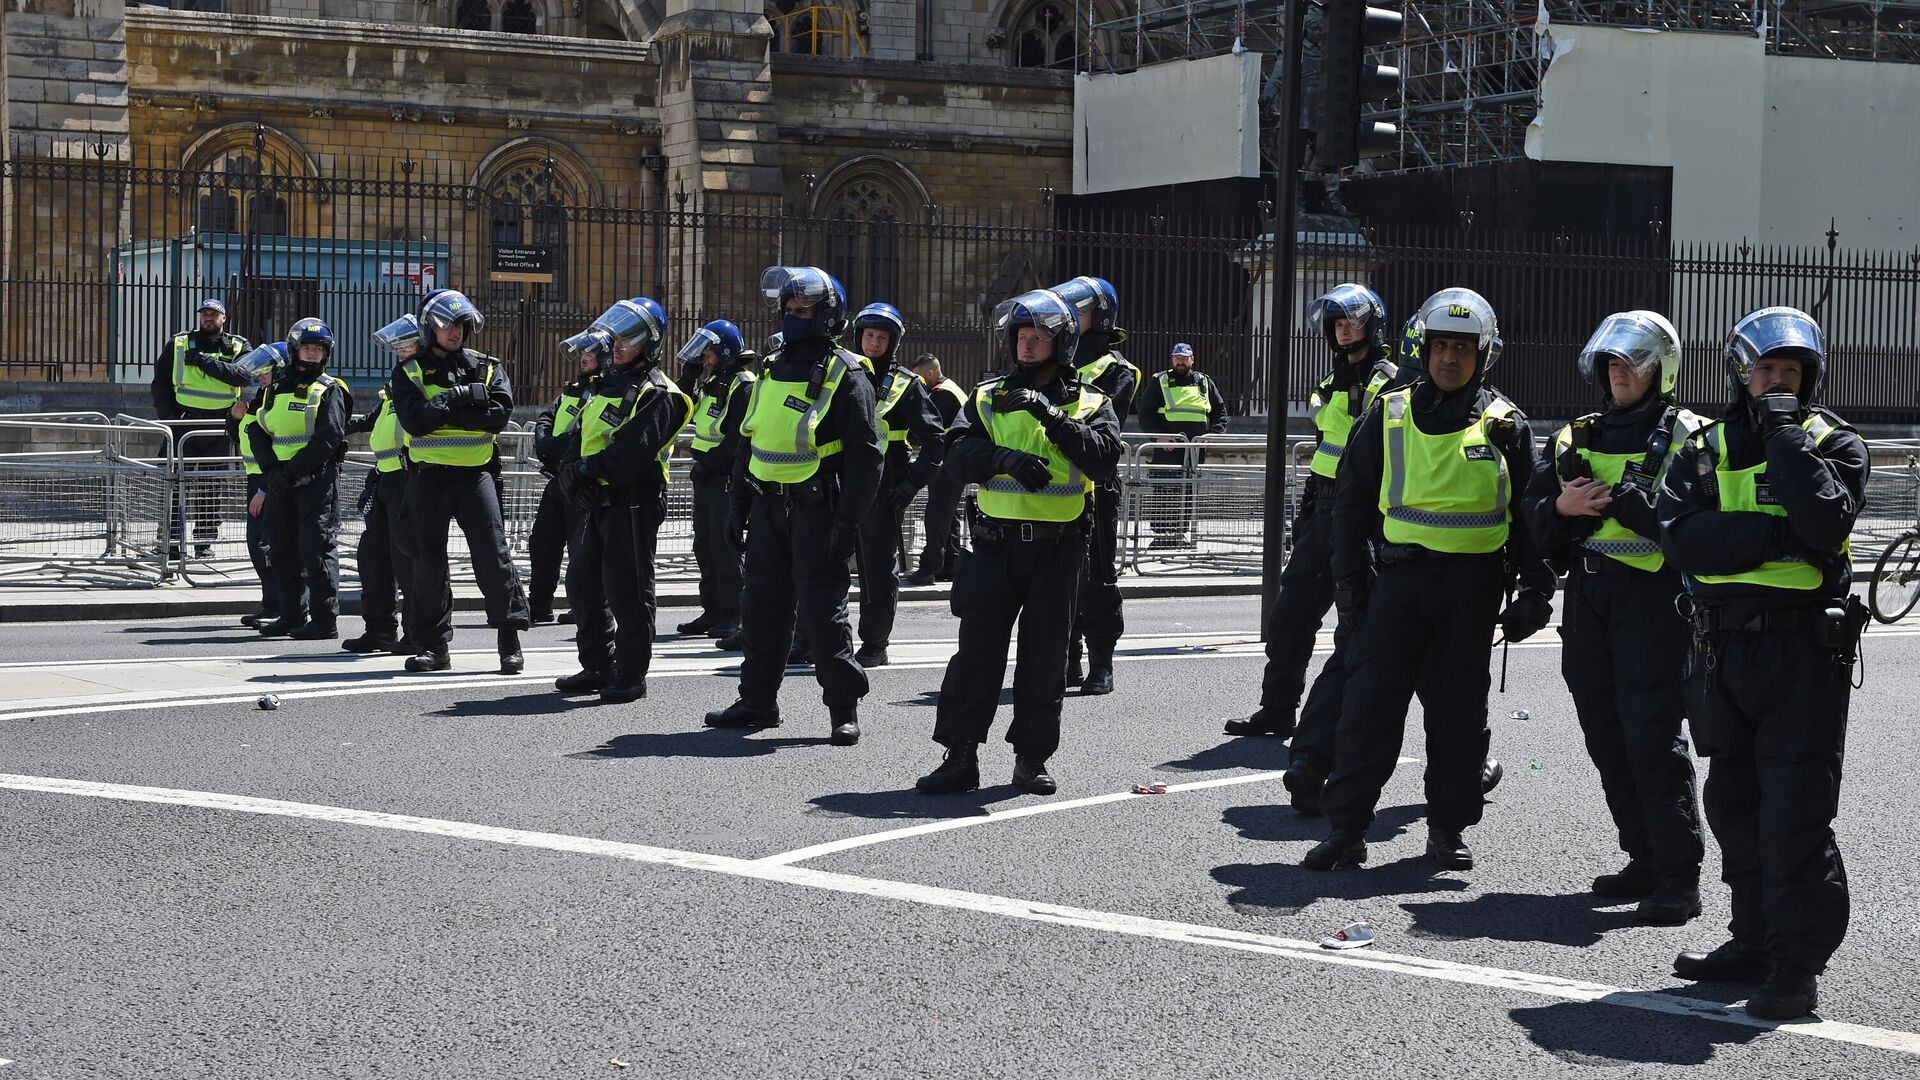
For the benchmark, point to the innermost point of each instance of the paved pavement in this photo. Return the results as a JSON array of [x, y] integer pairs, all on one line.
[[463, 874]]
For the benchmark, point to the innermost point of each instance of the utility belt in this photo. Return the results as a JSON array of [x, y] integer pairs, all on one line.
[[1024, 532], [1835, 624], [431, 467], [774, 489], [1385, 554], [1321, 485], [1586, 562]]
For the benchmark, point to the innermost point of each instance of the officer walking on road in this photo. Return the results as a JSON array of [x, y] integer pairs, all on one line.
[[811, 468], [940, 550], [551, 539], [198, 376], [270, 360], [386, 540], [452, 401], [720, 367], [619, 477], [300, 439], [1592, 512], [1099, 620], [1179, 402], [1427, 490], [1756, 512], [907, 419], [1037, 442]]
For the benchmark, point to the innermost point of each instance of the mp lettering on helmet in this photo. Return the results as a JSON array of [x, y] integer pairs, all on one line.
[[1459, 311]]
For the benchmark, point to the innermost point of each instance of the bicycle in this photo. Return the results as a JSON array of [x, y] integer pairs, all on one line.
[[1895, 586]]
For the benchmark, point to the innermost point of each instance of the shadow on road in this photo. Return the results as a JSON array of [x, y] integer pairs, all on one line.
[[537, 703], [908, 804], [706, 742], [931, 698], [1249, 753], [1596, 1033], [1288, 889], [1279, 822], [1571, 920]]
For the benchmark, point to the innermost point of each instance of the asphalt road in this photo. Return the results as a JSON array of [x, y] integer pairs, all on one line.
[[465, 876]]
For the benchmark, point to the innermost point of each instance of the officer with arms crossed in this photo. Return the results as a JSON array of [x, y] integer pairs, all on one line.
[[198, 376], [1592, 512], [1756, 512], [1037, 442], [1423, 544], [619, 477], [452, 401], [720, 367], [810, 470], [302, 431]]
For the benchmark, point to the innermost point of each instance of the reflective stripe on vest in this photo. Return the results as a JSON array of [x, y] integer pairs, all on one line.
[[1746, 490], [289, 419], [1334, 417], [247, 460], [1446, 493], [195, 389], [710, 412], [1613, 539], [1184, 404], [891, 392], [1065, 496], [782, 422], [603, 415], [449, 445], [388, 438]]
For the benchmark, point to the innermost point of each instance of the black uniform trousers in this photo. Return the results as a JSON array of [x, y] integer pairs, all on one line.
[[301, 527], [546, 547], [1624, 659], [1316, 733], [941, 552], [1099, 619], [1427, 631], [1172, 485], [1306, 593], [386, 556], [792, 581], [1772, 716], [202, 494], [879, 562], [720, 567], [438, 495], [260, 550], [1035, 583], [610, 582]]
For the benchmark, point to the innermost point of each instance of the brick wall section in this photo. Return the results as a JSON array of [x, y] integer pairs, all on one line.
[[66, 73]]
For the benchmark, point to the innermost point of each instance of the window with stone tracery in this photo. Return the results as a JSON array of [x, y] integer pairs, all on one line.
[[233, 181], [528, 206], [863, 244], [1043, 37]]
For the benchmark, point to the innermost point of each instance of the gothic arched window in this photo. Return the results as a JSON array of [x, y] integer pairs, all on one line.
[[473, 15], [528, 206], [863, 241], [1043, 37], [518, 17]]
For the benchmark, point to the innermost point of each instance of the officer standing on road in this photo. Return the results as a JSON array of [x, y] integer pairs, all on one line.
[[1756, 511], [1097, 362], [720, 368], [386, 540], [811, 468], [270, 360], [1184, 403], [1428, 487], [198, 376], [1353, 321], [940, 551], [300, 439], [1037, 442], [452, 401], [907, 419], [1625, 650], [619, 477], [555, 522]]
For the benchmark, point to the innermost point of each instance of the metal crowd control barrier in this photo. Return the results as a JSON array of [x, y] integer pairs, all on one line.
[[1198, 505], [88, 499]]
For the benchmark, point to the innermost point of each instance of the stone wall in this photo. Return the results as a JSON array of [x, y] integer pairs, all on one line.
[[66, 74]]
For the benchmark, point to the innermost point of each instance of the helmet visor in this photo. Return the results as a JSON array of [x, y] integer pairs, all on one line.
[[1462, 313], [401, 333], [264, 357], [1775, 330], [593, 340], [629, 324], [779, 282], [1345, 302], [451, 307], [1630, 337], [1042, 311], [697, 346]]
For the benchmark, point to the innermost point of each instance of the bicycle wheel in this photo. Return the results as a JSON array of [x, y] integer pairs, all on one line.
[[1895, 587]]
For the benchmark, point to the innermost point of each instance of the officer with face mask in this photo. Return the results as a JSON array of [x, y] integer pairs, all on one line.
[[1037, 442], [618, 477], [300, 439], [555, 521], [452, 400], [908, 420], [807, 474], [1424, 550], [1592, 512], [198, 376], [719, 367], [1756, 512], [270, 360]]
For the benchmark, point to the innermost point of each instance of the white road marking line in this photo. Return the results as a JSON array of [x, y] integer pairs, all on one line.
[[1549, 986]]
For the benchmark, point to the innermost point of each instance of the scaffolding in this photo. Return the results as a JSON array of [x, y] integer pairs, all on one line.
[[1470, 70]]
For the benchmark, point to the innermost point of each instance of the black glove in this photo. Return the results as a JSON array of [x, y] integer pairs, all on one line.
[[737, 529], [476, 392], [1035, 404], [846, 539], [279, 482], [1030, 471], [1778, 411], [443, 400], [194, 358], [1350, 600], [902, 494], [577, 485], [1526, 616]]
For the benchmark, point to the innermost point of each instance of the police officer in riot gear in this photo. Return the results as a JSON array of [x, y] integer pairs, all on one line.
[[556, 520], [1424, 550], [907, 419], [618, 477], [198, 376], [1756, 512], [385, 553], [270, 360], [1037, 442], [719, 367], [1099, 620], [300, 438], [809, 470], [940, 550], [452, 400], [1592, 512]]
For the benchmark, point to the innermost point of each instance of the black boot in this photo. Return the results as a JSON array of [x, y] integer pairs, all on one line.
[[959, 772], [1675, 900], [1342, 847], [623, 689], [734, 642], [1789, 993], [565, 618], [1263, 722], [724, 630], [1731, 962], [317, 630], [919, 579], [1304, 782], [540, 612], [371, 642], [258, 619], [281, 627], [846, 725], [1634, 881], [511, 662], [584, 681], [429, 660], [871, 655], [699, 624], [1032, 777], [1099, 670], [745, 714], [1075, 673], [1490, 774], [1449, 848]]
